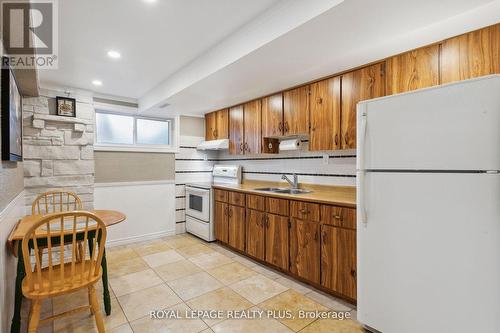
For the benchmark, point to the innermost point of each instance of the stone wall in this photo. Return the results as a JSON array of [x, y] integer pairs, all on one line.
[[58, 151]]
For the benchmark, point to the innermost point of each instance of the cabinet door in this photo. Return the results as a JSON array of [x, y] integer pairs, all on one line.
[[210, 126], [413, 70], [236, 237], [325, 115], [277, 240], [236, 130], [359, 85], [471, 55], [272, 116], [338, 260], [255, 234], [252, 127], [221, 221], [222, 121], [305, 249], [296, 111]]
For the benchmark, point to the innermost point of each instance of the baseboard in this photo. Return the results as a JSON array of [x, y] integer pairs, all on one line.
[[140, 238]]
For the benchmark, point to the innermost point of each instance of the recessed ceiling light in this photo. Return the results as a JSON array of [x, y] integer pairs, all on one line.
[[114, 54], [149, 1], [97, 83]]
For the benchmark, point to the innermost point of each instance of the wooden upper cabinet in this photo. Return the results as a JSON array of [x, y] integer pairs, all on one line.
[[296, 111], [210, 125], [358, 85], [325, 115], [471, 55], [222, 121], [272, 116], [413, 70], [236, 130], [252, 127]]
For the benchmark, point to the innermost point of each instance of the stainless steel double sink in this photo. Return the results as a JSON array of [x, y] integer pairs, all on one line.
[[283, 190]]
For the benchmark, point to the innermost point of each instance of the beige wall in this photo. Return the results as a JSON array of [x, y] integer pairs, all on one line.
[[11, 174], [192, 126], [133, 167]]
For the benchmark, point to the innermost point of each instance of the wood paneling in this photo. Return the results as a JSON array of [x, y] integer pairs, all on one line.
[[272, 115], [222, 121], [236, 130], [220, 195], [277, 240], [413, 70], [359, 85], [304, 210], [221, 221], [236, 227], [256, 202], [252, 127], [237, 198], [255, 245], [338, 260], [277, 206], [296, 111], [210, 125], [305, 249], [339, 216], [325, 115], [471, 55]]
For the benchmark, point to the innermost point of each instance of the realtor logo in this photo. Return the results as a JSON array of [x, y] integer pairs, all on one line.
[[30, 33]]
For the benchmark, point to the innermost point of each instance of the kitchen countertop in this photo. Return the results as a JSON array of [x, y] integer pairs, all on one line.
[[333, 195]]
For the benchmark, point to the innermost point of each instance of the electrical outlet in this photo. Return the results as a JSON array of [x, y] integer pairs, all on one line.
[[325, 159]]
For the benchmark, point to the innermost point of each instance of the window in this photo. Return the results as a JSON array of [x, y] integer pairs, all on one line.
[[131, 131]]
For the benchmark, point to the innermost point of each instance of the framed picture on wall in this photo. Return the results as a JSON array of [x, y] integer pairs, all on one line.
[[66, 106], [11, 113]]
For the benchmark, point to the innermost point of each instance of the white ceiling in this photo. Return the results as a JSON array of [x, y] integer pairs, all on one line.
[[179, 63], [155, 39]]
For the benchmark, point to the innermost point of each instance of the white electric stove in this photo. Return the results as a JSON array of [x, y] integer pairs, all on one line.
[[200, 201]]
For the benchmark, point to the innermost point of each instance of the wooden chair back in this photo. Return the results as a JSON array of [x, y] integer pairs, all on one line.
[[55, 201], [61, 231]]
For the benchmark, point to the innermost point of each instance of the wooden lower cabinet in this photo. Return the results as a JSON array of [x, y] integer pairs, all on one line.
[[236, 227], [255, 246], [305, 249], [277, 240], [221, 221], [338, 260]]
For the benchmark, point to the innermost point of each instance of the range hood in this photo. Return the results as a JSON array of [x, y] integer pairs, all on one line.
[[214, 145]]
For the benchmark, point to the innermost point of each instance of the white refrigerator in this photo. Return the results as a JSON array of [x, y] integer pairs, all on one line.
[[428, 191]]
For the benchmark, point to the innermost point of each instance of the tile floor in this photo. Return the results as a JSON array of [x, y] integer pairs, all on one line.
[[182, 273]]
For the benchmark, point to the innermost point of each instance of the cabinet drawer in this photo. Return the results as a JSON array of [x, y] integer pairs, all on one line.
[[277, 206], [339, 216], [220, 195], [304, 210], [256, 202], [236, 198]]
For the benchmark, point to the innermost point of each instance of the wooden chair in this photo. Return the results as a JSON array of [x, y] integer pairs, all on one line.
[[54, 202], [63, 276]]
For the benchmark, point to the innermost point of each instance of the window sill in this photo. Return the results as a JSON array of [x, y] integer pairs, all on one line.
[[136, 148]]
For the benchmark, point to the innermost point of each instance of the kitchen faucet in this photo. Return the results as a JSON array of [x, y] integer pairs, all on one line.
[[295, 183]]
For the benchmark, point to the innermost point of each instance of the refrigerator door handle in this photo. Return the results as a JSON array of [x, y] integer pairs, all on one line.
[[361, 166]]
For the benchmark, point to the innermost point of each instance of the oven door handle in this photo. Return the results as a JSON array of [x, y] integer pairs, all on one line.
[[197, 190]]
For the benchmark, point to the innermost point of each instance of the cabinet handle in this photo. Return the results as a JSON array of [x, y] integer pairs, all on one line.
[[319, 100], [336, 140], [245, 147], [230, 212], [346, 139], [280, 127], [303, 211], [316, 235], [286, 126], [215, 133], [323, 236], [353, 273], [241, 148], [337, 217]]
